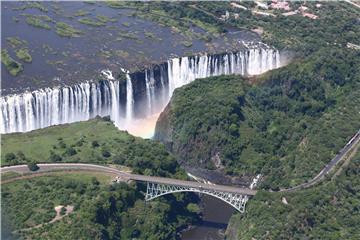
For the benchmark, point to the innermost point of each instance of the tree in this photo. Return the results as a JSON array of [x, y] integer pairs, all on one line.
[[70, 151], [10, 156], [54, 157], [95, 144], [105, 153]]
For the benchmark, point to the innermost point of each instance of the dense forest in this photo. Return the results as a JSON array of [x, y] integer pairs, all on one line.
[[101, 210], [286, 124], [328, 211]]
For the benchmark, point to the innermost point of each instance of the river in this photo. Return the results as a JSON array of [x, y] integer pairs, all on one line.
[[216, 215]]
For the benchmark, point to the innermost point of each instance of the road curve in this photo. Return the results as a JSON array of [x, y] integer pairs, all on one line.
[[329, 167], [47, 167]]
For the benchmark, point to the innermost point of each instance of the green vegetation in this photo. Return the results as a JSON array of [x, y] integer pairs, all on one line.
[[16, 42], [91, 22], [37, 22], [36, 5], [81, 13], [100, 21], [186, 43], [11, 65], [24, 55], [303, 35], [101, 211], [286, 127], [129, 35], [329, 211], [65, 30], [94, 141]]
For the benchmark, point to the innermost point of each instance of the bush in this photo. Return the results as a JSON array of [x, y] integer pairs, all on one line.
[[70, 151], [10, 156], [95, 144], [105, 153], [54, 157]]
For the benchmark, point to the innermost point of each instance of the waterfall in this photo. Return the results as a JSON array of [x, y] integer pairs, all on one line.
[[129, 99], [52, 106]]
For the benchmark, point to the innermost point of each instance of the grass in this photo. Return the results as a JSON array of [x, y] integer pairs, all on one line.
[[23, 54], [94, 141], [11, 65], [66, 30], [36, 145]]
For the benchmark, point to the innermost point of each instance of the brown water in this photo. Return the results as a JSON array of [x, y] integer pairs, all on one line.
[[216, 215]]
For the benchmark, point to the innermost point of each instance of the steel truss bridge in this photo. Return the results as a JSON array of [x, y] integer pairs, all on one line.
[[237, 200], [159, 186]]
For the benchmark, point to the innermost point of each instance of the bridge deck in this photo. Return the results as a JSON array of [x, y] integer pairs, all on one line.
[[184, 183], [92, 167]]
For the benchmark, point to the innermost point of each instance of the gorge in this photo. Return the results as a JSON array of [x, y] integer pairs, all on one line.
[[141, 96]]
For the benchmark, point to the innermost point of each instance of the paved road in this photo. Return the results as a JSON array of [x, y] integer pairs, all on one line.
[[329, 167], [124, 175], [143, 178]]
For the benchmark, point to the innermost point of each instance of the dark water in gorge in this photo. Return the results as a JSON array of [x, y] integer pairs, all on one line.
[[216, 215]]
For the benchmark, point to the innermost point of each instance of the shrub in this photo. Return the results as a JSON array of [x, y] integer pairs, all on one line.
[[54, 157], [95, 144], [70, 151], [10, 156], [105, 153]]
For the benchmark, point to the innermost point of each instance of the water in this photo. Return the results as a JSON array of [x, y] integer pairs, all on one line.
[[216, 215], [142, 96]]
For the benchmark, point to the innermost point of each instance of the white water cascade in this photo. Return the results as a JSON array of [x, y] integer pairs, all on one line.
[[129, 99], [52, 106]]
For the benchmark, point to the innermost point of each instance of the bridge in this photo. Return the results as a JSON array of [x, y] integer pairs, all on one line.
[[156, 186], [159, 186]]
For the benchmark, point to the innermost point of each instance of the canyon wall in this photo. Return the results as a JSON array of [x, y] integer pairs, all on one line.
[[141, 95]]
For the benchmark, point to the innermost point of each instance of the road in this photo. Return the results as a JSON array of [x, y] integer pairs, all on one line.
[[329, 167], [352, 3], [47, 167]]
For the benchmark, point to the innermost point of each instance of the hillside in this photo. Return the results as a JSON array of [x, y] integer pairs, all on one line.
[[328, 211], [286, 124]]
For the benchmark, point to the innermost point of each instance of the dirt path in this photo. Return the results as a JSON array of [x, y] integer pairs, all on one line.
[[69, 209]]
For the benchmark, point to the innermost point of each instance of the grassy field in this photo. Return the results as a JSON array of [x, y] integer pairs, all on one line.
[[93, 141], [36, 145]]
